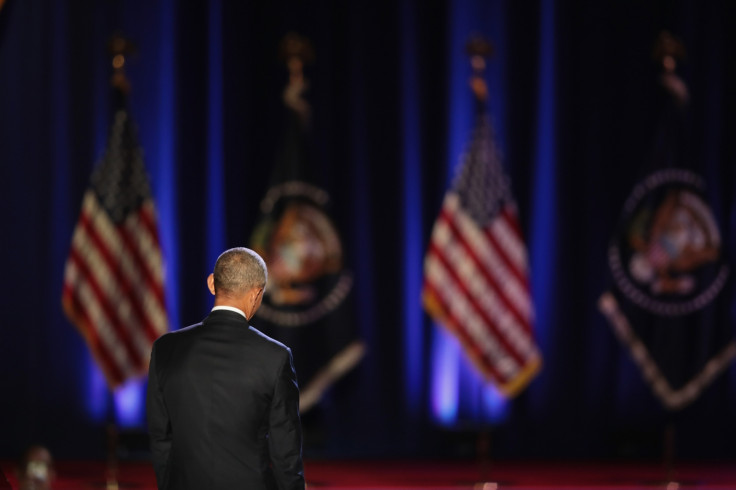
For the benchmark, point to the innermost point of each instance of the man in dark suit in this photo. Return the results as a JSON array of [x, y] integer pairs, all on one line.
[[223, 401]]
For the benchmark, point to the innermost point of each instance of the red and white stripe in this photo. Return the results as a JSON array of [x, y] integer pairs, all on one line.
[[476, 284], [113, 288]]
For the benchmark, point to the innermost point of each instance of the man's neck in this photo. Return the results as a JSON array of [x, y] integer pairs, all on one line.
[[230, 308], [242, 302]]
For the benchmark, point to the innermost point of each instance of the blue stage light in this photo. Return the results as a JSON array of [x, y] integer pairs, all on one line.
[[412, 220], [543, 239], [215, 173]]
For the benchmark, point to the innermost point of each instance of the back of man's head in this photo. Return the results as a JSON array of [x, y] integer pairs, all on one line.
[[237, 271]]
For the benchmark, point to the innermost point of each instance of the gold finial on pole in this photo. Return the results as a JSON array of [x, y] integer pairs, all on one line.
[[119, 48], [479, 49], [296, 52], [666, 52]]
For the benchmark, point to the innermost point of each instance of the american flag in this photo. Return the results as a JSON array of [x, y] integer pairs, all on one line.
[[476, 271], [113, 281]]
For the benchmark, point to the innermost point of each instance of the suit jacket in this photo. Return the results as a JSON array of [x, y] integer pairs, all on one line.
[[223, 408]]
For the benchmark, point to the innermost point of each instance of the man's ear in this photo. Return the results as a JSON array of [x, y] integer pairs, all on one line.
[[211, 283], [255, 295]]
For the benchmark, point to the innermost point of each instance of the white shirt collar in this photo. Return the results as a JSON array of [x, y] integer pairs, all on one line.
[[230, 308]]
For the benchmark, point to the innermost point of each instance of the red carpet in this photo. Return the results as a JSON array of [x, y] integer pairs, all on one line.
[[434, 475]]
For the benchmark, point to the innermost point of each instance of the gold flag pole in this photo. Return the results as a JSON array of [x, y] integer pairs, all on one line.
[[118, 48], [479, 50], [112, 457], [667, 51]]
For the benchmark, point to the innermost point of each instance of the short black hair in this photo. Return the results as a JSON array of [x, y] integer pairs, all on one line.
[[238, 270]]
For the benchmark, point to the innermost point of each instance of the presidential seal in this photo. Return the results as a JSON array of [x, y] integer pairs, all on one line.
[[667, 256], [304, 256]]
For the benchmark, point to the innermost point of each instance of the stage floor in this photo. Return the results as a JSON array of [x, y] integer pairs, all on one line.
[[435, 475]]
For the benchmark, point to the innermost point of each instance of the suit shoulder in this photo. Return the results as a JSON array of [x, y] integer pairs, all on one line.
[[175, 335], [268, 341]]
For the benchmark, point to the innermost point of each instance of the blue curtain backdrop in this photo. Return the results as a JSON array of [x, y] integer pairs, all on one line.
[[571, 100]]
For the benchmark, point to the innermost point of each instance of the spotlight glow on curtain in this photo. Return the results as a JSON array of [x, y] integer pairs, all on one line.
[[412, 223], [215, 174], [164, 182], [543, 238]]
